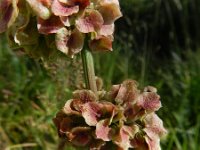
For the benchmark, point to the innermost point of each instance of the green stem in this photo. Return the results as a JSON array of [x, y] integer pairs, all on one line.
[[61, 145], [88, 67]]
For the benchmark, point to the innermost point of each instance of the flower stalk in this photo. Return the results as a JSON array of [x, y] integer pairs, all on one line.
[[88, 67]]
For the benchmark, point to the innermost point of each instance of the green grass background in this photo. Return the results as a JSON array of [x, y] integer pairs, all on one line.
[[157, 43]]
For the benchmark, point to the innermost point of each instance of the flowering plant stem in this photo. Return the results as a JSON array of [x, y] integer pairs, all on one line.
[[88, 67]]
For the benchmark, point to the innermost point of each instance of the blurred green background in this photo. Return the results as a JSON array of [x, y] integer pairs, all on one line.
[[157, 43]]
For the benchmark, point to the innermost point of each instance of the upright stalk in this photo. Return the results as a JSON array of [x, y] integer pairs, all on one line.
[[88, 67], [62, 143]]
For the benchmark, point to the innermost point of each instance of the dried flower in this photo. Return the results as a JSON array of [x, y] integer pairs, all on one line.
[[124, 117], [68, 21]]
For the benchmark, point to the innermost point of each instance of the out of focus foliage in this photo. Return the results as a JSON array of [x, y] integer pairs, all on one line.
[[157, 43], [160, 26]]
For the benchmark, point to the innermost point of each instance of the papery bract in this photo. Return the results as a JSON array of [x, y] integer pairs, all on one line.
[[40, 9], [8, 13], [80, 136], [49, 26], [149, 101], [123, 137], [90, 112], [85, 95], [101, 43], [106, 30], [127, 92], [103, 131], [154, 125], [110, 11], [62, 9], [91, 21], [69, 42]]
